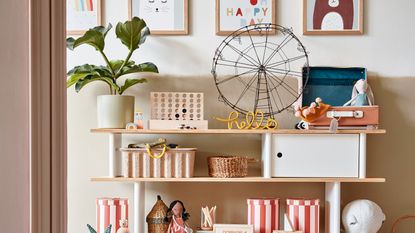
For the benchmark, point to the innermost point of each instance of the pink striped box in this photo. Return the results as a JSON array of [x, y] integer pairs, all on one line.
[[264, 214], [110, 211], [304, 214]]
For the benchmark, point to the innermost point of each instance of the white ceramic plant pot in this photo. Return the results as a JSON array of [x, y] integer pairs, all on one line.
[[115, 111]]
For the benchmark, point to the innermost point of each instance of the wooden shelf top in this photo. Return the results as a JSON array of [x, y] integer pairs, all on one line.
[[236, 131], [240, 180]]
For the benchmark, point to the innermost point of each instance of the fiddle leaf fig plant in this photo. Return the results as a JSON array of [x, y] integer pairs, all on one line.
[[132, 34]]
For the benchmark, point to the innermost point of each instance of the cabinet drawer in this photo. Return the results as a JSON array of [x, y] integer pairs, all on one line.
[[315, 155]]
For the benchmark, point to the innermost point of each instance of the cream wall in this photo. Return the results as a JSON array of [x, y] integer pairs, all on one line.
[[184, 62], [14, 117]]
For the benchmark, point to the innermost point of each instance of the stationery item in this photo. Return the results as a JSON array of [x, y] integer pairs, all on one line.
[[208, 218]]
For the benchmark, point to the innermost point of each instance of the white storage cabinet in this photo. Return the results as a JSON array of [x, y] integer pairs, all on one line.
[[325, 155]]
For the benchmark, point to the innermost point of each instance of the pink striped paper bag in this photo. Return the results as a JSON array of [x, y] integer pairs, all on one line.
[[304, 214], [110, 211], [264, 214]]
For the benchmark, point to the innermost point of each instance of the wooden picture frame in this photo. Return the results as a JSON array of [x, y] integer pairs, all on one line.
[[347, 15], [234, 228], [173, 24], [243, 15], [81, 15]]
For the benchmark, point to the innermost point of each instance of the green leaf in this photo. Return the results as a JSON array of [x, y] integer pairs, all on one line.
[[144, 33], [81, 83], [116, 64], [87, 68], [91, 230], [131, 82], [130, 31], [108, 229], [103, 30], [143, 67], [74, 78], [69, 43], [92, 37]]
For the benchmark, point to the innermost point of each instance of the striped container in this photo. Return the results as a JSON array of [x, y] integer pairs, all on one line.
[[111, 211], [177, 163], [264, 214], [304, 214]]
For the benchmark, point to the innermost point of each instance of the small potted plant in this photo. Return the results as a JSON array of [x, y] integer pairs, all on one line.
[[114, 110]]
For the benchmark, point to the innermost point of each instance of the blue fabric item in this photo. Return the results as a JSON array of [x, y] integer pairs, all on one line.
[[361, 100], [334, 85]]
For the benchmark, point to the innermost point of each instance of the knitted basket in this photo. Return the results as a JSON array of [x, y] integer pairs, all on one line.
[[228, 166]]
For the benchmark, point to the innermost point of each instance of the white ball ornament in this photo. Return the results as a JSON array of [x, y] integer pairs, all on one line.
[[362, 216]]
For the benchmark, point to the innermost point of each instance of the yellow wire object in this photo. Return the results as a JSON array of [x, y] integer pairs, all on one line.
[[148, 149], [253, 120]]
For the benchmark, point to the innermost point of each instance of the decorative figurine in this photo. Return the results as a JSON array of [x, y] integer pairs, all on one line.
[[156, 219], [178, 216], [312, 112], [362, 216], [123, 226], [362, 94]]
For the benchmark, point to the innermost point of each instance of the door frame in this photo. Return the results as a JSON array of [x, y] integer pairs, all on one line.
[[48, 192]]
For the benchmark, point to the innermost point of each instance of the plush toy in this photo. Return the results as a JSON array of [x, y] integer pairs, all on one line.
[[312, 112], [123, 226], [362, 216], [362, 94]]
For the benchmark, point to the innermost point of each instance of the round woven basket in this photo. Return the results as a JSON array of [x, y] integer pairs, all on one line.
[[399, 220], [227, 166]]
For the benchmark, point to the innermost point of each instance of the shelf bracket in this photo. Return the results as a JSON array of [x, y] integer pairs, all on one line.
[[139, 207], [333, 191], [114, 165], [266, 155]]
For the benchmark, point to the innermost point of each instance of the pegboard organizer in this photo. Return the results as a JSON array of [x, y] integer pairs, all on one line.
[[176, 106], [170, 110]]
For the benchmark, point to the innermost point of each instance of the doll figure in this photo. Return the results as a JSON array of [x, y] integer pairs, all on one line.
[[362, 94], [178, 216], [123, 226]]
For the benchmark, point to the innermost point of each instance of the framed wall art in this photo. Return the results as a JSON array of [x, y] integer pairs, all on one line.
[[163, 17], [234, 228], [82, 15], [234, 14], [333, 17]]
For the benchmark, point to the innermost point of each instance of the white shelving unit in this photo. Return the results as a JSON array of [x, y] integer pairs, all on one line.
[[332, 184]]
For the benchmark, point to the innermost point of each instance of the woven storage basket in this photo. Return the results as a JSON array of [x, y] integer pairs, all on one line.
[[227, 166], [399, 220]]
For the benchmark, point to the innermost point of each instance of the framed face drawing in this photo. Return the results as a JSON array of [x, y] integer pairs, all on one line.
[[163, 17], [82, 15], [333, 17], [232, 15]]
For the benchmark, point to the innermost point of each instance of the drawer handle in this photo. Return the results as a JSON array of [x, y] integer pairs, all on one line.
[[279, 155]]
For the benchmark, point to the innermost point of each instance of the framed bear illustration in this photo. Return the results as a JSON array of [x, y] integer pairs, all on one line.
[[333, 17], [163, 17]]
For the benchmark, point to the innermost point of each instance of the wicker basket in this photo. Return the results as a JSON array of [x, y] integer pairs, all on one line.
[[228, 166], [399, 220]]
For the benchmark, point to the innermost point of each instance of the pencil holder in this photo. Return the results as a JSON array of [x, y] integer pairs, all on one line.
[[207, 218]]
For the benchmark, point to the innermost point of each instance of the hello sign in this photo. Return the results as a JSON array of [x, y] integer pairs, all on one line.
[[234, 14]]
